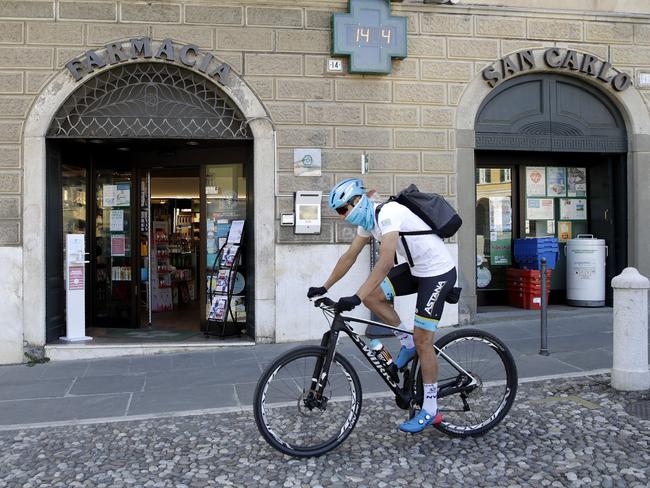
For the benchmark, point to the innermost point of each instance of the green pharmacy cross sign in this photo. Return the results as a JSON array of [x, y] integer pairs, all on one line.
[[370, 35]]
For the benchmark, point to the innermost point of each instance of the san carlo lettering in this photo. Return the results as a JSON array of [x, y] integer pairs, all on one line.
[[141, 47], [556, 58]]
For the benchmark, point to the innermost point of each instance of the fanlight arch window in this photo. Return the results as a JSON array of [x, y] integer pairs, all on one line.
[[149, 100]]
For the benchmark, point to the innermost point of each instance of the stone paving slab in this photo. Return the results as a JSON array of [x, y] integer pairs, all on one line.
[[93, 385], [35, 389], [181, 399], [565, 433]]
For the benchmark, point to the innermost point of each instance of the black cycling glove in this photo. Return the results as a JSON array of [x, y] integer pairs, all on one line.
[[316, 291], [345, 304]]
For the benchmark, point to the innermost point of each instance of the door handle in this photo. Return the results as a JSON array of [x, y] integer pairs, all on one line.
[[606, 214]]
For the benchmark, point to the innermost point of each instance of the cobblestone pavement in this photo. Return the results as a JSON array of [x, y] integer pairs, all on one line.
[[562, 432]]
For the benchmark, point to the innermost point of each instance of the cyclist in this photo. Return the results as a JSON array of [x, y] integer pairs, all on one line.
[[429, 271]]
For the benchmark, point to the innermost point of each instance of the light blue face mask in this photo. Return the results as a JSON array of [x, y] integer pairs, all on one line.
[[363, 214]]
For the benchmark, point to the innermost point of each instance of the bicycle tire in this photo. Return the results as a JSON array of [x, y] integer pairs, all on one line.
[[462, 346], [280, 420]]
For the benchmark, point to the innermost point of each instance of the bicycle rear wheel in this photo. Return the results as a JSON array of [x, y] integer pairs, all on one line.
[[480, 406], [289, 417]]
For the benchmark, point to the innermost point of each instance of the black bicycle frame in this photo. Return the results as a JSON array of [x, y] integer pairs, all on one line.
[[330, 341]]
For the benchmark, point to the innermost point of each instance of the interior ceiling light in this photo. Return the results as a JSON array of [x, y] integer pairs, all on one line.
[[124, 149], [192, 143], [96, 141]]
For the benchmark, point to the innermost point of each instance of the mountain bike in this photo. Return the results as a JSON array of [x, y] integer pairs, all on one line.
[[308, 400]]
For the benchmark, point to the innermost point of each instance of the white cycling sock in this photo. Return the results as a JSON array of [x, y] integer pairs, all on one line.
[[405, 339], [430, 403]]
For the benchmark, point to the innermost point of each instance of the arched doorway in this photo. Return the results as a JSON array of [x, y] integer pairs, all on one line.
[[551, 161], [246, 112]]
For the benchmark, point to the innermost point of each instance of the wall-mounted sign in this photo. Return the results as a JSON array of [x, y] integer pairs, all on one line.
[[370, 35], [556, 58], [142, 47], [306, 162]]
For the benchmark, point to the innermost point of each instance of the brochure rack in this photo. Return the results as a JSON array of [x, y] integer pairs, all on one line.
[[224, 317]]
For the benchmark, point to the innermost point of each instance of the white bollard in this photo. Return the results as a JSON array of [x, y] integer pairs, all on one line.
[[630, 368]]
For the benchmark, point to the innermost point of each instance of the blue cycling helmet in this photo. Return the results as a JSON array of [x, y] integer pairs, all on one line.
[[344, 191]]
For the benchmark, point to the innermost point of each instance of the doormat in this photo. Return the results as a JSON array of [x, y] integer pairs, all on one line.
[[152, 335]]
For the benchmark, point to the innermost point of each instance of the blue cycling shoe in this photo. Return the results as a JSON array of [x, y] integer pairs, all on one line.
[[420, 421], [404, 356]]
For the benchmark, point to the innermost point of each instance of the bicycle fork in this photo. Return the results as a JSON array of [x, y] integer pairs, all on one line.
[[315, 397]]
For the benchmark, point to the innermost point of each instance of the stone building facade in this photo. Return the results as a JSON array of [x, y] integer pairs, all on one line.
[[416, 124]]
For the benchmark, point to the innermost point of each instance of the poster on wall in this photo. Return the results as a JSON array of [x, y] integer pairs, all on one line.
[[535, 181], [117, 221], [540, 209], [116, 195], [563, 231], [555, 182], [118, 245], [500, 230], [576, 182], [573, 209]]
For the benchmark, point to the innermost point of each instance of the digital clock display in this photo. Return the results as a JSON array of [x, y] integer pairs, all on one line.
[[370, 35]]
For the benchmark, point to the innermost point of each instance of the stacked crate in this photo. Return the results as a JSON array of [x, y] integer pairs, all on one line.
[[529, 252], [525, 287]]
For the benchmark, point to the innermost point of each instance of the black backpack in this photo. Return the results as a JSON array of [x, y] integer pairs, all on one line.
[[432, 208]]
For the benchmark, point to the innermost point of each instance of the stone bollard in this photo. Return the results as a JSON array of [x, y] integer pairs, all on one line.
[[630, 368]]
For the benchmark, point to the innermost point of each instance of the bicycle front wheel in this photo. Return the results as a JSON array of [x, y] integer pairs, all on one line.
[[487, 382], [291, 418]]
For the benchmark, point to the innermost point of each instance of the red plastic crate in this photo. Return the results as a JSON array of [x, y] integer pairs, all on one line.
[[525, 299], [527, 275]]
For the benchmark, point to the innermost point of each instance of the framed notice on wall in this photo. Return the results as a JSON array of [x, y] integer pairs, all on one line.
[[535, 181], [573, 209], [564, 231], [576, 182], [540, 209]]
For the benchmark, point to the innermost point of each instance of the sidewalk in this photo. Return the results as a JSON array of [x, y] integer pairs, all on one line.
[[579, 340]]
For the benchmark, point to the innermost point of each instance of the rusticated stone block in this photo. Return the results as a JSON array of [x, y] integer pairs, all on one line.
[[286, 234], [412, 22], [262, 86], [9, 156], [642, 33], [20, 9], [446, 24], [455, 92], [473, 48], [419, 92], [213, 15], [363, 137], [318, 19], [426, 47], [187, 34], [304, 89], [10, 181], [609, 32], [11, 82], [88, 10], [404, 69], [394, 161], [391, 115], [446, 70], [508, 47], [438, 116], [65, 54], [10, 208], [14, 106], [235, 60], [500, 27], [100, 34], [304, 41], [277, 17], [382, 183], [420, 139], [600, 50], [273, 64], [36, 80], [345, 233], [245, 39], [555, 29], [11, 32], [632, 55], [426, 183], [10, 130], [150, 12], [289, 183], [335, 113], [26, 57], [286, 112], [363, 90], [438, 162], [291, 136], [9, 232], [452, 184], [70, 34]]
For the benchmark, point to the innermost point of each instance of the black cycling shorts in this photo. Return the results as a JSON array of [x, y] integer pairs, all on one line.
[[431, 291]]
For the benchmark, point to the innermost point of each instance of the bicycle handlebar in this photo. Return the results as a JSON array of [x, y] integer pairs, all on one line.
[[325, 302]]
